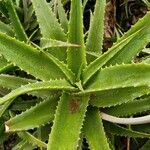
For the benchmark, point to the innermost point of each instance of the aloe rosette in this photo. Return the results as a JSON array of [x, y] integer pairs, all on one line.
[[76, 85]]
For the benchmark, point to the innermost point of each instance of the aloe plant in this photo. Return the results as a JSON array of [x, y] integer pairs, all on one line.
[[74, 84]]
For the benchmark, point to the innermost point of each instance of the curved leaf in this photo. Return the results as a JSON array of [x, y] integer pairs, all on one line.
[[94, 130], [23, 145], [32, 60], [4, 65], [96, 31], [134, 46], [130, 121], [134, 107], [50, 28], [6, 29], [32, 139], [49, 85], [113, 97], [131, 49], [62, 17], [69, 116], [76, 57], [135, 40], [13, 82], [50, 43], [18, 28], [140, 24], [5, 107], [43, 113], [121, 131], [120, 76], [98, 63]]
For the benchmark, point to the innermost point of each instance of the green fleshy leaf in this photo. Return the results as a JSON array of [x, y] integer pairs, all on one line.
[[95, 37], [139, 25], [43, 113], [113, 97], [50, 43], [18, 53], [62, 16], [20, 105], [23, 145], [76, 57], [13, 82], [134, 46], [98, 63], [135, 40], [94, 131], [121, 131], [120, 76], [49, 85], [31, 139], [5, 107], [134, 107], [6, 29], [18, 28], [141, 127], [69, 116], [4, 65], [50, 28]]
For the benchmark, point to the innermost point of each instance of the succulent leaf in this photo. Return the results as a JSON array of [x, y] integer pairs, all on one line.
[[50, 28], [23, 145], [120, 76], [43, 113], [94, 131], [6, 29], [18, 28], [31, 139], [137, 34], [133, 107], [49, 85], [50, 43], [4, 107], [139, 25], [96, 31], [113, 97], [98, 63], [76, 57], [5, 65], [62, 16], [20, 105], [131, 49], [38, 61], [13, 82], [122, 131], [69, 117]]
